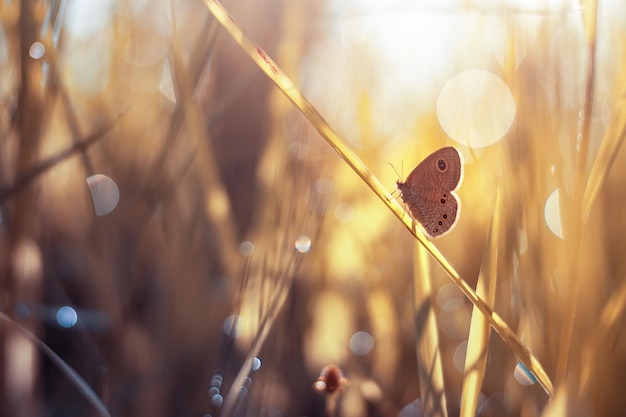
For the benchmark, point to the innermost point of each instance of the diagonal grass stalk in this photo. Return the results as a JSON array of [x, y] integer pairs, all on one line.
[[83, 387]]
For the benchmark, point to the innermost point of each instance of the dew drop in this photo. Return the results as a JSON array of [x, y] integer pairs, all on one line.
[[217, 378], [217, 400], [256, 364], [217, 381], [523, 375], [67, 317], [36, 50], [303, 244]]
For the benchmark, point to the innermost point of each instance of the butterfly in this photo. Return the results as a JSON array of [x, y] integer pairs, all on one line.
[[429, 191]]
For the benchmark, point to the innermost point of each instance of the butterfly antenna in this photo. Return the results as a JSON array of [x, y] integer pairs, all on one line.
[[399, 177], [396, 171]]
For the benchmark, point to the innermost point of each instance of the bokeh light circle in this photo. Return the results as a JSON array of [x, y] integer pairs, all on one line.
[[344, 212], [413, 409], [104, 193], [476, 108], [256, 364], [217, 400], [303, 244], [322, 196], [233, 326], [217, 381], [246, 248], [450, 298], [460, 352], [523, 375], [67, 317], [361, 343], [454, 324], [552, 214], [36, 50]]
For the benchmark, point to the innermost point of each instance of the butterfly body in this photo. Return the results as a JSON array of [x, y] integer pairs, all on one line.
[[429, 191]]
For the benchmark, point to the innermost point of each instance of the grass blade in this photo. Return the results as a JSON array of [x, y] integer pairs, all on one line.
[[574, 225], [43, 166], [480, 331], [611, 143], [69, 372], [429, 366]]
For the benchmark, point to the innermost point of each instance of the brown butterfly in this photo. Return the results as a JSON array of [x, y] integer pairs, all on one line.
[[428, 191]]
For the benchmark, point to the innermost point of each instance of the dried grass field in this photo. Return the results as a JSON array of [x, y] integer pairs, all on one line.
[[199, 214]]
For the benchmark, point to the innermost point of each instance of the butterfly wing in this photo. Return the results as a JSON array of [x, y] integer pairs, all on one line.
[[442, 170], [428, 191]]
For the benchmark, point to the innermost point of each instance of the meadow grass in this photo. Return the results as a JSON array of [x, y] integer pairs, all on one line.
[[250, 250]]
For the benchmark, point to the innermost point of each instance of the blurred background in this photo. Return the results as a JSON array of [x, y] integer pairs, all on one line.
[[176, 232]]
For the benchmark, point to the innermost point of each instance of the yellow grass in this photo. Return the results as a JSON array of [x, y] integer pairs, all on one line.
[[257, 221]]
